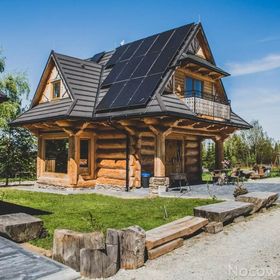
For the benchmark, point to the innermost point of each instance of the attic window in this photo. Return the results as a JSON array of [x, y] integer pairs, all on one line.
[[56, 89]]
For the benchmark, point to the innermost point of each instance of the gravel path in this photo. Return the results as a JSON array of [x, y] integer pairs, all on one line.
[[246, 250]]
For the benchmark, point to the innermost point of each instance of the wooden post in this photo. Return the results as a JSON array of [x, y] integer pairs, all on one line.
[[159, 162], [73, 159], [40, 156], [219, 153]]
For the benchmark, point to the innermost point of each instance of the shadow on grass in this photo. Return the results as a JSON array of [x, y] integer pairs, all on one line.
[[11, 208]]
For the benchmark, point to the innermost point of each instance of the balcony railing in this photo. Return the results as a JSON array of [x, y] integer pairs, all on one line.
[[207, 104]]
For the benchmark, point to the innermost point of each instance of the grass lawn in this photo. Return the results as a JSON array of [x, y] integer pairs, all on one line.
[[88, 212]]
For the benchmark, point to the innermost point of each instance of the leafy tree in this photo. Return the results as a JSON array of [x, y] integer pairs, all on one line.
[[208, 154], [17, 145]]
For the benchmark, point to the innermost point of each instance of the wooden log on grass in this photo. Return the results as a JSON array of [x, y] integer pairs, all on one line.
[[67, 245], [133, 247]]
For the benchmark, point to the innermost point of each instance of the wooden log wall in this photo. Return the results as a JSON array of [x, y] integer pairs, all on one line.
[[148, 145], [111, 158], [193, 159]]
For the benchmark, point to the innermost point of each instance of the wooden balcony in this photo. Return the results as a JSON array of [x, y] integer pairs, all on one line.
[[208, 105]]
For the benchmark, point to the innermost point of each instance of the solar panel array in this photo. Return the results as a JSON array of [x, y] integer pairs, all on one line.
[[138, 67]]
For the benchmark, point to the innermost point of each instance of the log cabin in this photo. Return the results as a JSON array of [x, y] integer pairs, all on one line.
[[144, 106]]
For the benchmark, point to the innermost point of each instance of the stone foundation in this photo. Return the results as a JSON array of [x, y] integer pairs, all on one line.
[[158, 183]]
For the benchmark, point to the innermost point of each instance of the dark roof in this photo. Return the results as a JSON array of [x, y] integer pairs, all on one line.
[[203, 62], [3, 97], [86, 82]]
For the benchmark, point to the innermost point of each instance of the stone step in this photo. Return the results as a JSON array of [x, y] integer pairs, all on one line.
[[259, 199], [20, 227], [224, 211], [180, 228]]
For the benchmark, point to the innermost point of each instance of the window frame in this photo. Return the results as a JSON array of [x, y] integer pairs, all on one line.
[[193, 90], [54, 83]]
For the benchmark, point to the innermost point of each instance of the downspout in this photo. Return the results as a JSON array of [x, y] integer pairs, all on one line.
[[126, 156]]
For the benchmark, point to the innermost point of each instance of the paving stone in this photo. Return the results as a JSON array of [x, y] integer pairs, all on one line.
[[259, 199], [224, 211], [20, 227], [18, 263]]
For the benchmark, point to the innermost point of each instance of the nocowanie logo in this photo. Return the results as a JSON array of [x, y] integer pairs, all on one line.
[[253, 271]]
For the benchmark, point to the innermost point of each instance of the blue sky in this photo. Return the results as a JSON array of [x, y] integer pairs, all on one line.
[[244, 37]]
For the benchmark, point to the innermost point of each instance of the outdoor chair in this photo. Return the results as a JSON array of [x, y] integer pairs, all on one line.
[[178, 182]]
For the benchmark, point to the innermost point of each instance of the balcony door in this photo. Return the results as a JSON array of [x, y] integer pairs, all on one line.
[[193, 87]]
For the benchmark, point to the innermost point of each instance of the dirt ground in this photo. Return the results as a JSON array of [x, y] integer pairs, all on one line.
[[244, 250]]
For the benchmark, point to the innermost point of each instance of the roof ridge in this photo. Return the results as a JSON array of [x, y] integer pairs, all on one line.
[[77, 58]]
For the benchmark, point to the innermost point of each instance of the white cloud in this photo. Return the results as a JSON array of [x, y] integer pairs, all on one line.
[[254, 102], [269, 39], [266, 63]]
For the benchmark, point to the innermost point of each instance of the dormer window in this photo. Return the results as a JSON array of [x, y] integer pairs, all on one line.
[[56, 89], [193, 87]]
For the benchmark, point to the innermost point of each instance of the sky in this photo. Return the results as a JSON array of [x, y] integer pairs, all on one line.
[[243, 35]]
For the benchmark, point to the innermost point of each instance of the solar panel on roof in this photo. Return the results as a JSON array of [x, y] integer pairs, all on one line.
[[125, 95], [148, 60], [161, 41], [169, 51], [131, 50], [115, 72], [129, 68], [117, 54], [143, 94], [145, 65], [145, 46], [110, 96]]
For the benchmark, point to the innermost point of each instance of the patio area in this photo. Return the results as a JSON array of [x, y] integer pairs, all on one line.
[[224, 192]]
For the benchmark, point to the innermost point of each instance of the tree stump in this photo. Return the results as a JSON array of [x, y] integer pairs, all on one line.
[[67, 245], [97, 263], [133, 247]]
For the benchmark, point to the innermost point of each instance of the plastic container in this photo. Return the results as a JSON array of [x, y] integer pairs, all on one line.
[[145, 178]]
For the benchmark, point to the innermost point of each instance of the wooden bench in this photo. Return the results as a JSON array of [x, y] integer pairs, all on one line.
[[224, 211], [168, 237]]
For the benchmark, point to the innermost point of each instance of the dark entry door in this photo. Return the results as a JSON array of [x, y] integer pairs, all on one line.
[[173, 156]]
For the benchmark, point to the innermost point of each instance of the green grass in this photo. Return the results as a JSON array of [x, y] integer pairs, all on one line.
[[74, 211]]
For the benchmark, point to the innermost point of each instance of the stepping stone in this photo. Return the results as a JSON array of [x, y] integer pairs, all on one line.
[[20, 227], [180, 228], [259, 199], [225, 211]]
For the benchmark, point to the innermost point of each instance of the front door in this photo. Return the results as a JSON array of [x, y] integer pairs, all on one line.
[[173, 156]]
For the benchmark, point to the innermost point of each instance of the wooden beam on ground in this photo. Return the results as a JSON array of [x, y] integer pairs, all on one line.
[[179, 228], [165, 248]]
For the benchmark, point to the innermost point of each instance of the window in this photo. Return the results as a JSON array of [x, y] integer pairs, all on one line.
[[84, 157], [56, 89], [84, 147], [193, 87], [56, 155]]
